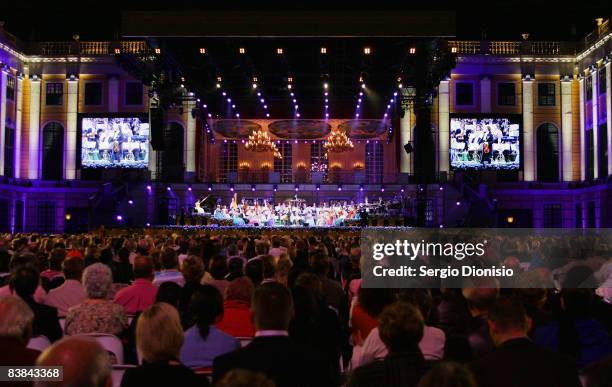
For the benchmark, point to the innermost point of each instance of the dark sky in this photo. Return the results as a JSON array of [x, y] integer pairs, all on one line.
[[495, 19]]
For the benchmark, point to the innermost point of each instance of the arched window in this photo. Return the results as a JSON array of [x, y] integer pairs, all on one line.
[[374, 162], [53, 151], [548, 153], [172, 167]]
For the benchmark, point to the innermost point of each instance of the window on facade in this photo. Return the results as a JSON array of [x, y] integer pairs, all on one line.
[[318, 161], [9, 145], [93, 93], [464, 93], [602, 80], [506, 94], [229, 160], [588, 88], [54, 93], [283, 166], [589, 157], [46, 217], [546, 94], [133, 93], [10, 88], [552, 216], [374, 162]]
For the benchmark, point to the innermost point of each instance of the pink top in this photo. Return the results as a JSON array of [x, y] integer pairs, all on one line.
[[137, 297]]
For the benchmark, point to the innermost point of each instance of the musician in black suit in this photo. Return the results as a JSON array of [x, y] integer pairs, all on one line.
[[273, 352], [517, 361]]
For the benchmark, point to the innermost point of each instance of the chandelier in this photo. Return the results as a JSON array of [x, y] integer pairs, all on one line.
[[338, 142], [260, 141]]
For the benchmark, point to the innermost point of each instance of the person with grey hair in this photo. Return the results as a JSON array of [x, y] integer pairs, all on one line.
[[85, 363], [15, 330], [96, 314]]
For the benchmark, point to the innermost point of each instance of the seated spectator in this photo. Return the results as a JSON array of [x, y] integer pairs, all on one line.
[[170, 269], [517, 361], [193, 271], [24, 281], [479, 300], [217, 271], [401, 329], [254, 269], [272, 352], [15, 331], [141, 294], [203, 341], [96, 314], [71, 292], [448, 374], [237, 320], [431, 345], [370, 303], [244, 378], [159, 337], [122, 268], [235, 267], [84, 362], [53, 276], [17, 261], [576, 333]]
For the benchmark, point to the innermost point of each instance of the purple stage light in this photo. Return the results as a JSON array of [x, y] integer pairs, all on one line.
[[189, 188], [130, 202], [458, 203], [148, 187], [168, 188], [119, 218], [210, 188]]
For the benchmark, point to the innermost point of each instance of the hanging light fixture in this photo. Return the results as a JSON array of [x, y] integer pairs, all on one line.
[[338, 142], [260, 141]]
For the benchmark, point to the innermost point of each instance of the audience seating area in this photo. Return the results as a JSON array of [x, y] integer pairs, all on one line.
[[248, 308]]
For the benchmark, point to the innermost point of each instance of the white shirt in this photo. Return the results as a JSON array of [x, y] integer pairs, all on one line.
[[431, 345]]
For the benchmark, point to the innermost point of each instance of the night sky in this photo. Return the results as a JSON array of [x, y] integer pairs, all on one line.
[[495, 19]]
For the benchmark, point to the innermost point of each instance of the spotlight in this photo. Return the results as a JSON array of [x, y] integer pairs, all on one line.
[[268, 115], [253, 188], [361, 188], [339, 188], [367, 50], [441, 188], [399, 85], [454, 50], [382, 189], [412, 50], [363, 86], [148, 224], [237, 115], [209, 188], [458, 203], [119, 218], [130, 202], [218, 85], [168, 188], [68, 216], [289, 86], [275, 187], [232, 188], [323, 50], [148, 187], [254, 85], [202, 50], [298, 115], [297, 188], [318, 187], [279, 51], [241, 50], [189, 188], [325, 86]]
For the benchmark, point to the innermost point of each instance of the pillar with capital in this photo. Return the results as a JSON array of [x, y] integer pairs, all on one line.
[[566, 128], [528, 149], [71, 128], [443, 125], [34, 126], [2, 117], [190, 139]]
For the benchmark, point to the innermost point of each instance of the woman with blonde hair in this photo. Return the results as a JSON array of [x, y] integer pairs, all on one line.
[[159, 338]]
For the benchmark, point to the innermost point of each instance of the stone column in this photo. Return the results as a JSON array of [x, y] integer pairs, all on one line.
[[528, 151], [190, 139], [18, 121], [71, 129], [113, 94], [34, 132], [405, 136], [582, 134], [443, 125], [595, 129], [2, 118], [485, 94], [566, 129], [609, 114]]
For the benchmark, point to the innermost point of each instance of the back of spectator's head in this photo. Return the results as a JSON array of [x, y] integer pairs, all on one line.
[[73, 268], [85, 363], [254, 270], [272, 307], [169, 259], [261, 248], [20, 259], [421, 298], [599, 374], [159, 334], [240, 289], [507, 319], [24, 281], [235, 267], [373, 300], [577, 302], [15, 319], [193, 269], [401, 327], [579, 276], [481, 297], [169, 292], [205, 308], [218, 267], [97, 280], [143, 267], [319, 262], [232, 250], [448, 374], [245, 378], [123, 254], [56, 258], [269, 268], [311, 282], [532, 298]]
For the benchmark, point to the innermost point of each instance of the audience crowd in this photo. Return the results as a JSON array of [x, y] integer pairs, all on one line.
[[288, 309]]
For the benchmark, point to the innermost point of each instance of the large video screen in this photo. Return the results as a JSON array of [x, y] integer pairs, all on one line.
[[117, 142], [485, 143]]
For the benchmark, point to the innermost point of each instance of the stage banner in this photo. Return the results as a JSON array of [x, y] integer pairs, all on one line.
[[484, 258]]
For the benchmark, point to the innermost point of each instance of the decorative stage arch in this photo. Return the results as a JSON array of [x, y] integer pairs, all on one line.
[[235, 128], [364, 129], [300, 129]]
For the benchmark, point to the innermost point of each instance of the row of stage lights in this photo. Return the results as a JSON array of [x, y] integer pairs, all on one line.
[[296, 188], [323, 50]]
